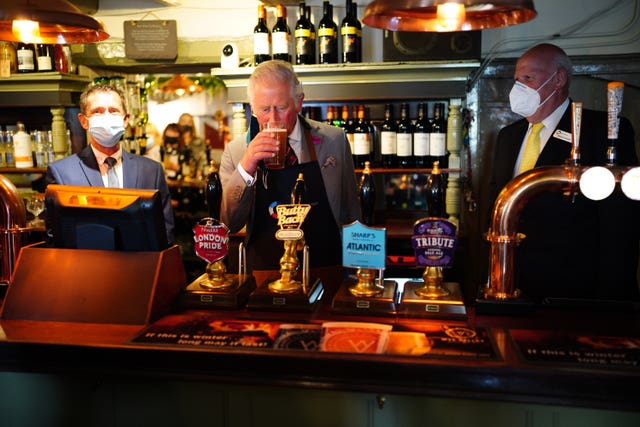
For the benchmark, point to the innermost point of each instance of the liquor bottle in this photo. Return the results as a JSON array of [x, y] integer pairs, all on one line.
[[281, 35], [38, 143], [361, 140], [351, 35], [388, 139], [327, 36], [261, 38], [436, 190], [438, 137], [45, 57], [367, 195], [305, 48], [213, 191], [26, 58], [298, 191], [421, 138], [22, 151], [50, 155], [404, 137], [8, 60]]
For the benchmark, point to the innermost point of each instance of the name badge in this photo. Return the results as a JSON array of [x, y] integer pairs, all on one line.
[[560, 134]]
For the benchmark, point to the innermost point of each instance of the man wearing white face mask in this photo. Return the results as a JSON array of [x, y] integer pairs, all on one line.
[[573, 248], [103, 163]]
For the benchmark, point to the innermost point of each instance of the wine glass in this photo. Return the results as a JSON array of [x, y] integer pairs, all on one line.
[[35, 205]]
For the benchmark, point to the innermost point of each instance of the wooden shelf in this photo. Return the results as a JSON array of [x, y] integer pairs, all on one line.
[[47, 89]]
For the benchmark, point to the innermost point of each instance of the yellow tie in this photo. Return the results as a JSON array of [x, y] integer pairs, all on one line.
[[531, 149]]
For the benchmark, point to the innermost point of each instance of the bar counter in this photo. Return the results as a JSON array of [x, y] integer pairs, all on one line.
[[73, 349]]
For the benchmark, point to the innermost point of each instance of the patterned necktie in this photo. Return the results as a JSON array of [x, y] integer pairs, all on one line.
[[290, 158], [531, 148], [112, 177]]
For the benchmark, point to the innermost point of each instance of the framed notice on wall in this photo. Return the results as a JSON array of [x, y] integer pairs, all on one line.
[[151, 39]]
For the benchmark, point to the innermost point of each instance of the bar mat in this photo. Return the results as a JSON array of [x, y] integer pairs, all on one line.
[[577, 349]]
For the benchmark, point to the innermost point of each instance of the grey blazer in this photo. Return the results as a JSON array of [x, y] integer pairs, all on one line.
[[138, 172], [336, 164]]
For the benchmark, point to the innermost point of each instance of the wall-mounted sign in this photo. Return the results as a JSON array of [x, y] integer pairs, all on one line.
[[151, 39]]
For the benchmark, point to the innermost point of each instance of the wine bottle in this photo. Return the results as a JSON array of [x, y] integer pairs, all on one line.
[[304, 49], [367, 195], [351, 35], [281, 34], [213, 191], [436, 190], [22, 151], [331, 113], [26, 58], [404, 138], [261, 38], [45, 57], [327, 36], [298, 191], [312, 30], [388, 139], [361, 140], [421, 138], [349, 128], [438, 136]]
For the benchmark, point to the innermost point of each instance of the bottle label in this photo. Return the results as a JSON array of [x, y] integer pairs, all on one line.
[[44, 63], [388, 143], [302, 33], [326, 32], [280, 42], [420, 144], [25, 60], [5, 68], [361, 144], [404, 144], [437, 144], [351, 139], [348, 30], [261, 44]]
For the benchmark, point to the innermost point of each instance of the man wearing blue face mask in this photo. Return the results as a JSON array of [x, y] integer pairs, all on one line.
[[574, 247], [103, 163]]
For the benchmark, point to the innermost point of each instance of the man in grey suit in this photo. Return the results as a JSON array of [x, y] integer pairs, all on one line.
[[322, 154], [103, 115]]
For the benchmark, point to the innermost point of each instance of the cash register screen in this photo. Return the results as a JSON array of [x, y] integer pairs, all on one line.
[[80, 217]]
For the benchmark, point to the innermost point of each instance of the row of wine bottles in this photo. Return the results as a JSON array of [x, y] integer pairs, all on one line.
[[31, 58], [398, 142], [277, 42]]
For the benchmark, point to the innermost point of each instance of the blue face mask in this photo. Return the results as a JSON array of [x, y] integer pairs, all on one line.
[[106, 129]]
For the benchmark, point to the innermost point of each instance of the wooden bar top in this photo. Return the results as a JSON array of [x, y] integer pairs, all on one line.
[[72, 348]]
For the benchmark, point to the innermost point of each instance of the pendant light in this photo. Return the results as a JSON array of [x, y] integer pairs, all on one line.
[[48, 21], [447, 15]]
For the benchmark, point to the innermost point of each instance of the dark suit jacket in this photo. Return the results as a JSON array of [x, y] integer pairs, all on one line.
[[583, 248], [138, 172]]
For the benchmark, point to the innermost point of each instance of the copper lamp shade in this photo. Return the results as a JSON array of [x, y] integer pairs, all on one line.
[[55, 22], [447, 15]]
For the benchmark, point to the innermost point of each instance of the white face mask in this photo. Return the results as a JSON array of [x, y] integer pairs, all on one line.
[[106, 129], [525, 100]]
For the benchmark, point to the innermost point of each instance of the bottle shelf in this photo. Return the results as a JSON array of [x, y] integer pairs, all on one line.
[[391, 171]]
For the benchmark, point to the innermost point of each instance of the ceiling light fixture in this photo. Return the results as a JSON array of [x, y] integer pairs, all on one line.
[[48, 21], [447, 15]]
